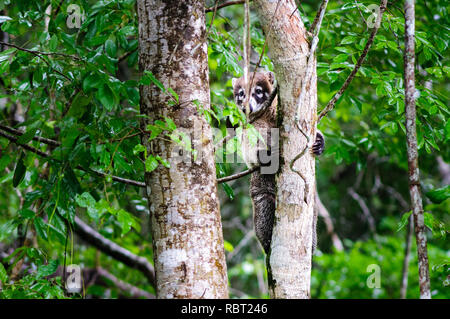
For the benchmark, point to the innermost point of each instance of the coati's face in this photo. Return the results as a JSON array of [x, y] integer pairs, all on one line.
[[260, 91]]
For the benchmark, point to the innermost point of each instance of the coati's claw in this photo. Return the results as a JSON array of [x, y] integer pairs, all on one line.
[[319, 145]]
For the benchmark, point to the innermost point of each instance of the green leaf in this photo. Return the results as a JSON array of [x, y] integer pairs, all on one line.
[[228, 190], [41, 228], [19, 172], [139, 148], [4, 19], [27, 213], [92, 81], [47, 270], [164, 162], [151, 163], [126, 221], [111, 48], [3, 274], [340, 58], [404, 220], [170, 124], [439, 195], [27, 136], [150, 78], [106, 96], [349, 39], [228, 246], [53, 42]]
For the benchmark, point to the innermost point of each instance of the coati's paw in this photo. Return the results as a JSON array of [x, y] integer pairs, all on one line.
[[319, 145]]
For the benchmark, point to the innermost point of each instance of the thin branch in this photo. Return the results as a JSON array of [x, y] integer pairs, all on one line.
[[360, 13], [360, 61], [319, 16], [124, 286], [311, 58], [223, 5], [110, 248], [237, 175], [126, 55], [35, 138], [364, 208], [305, 81], [45, 155], [24, 146], [323, 212], [264, 47], [40, 53], [115, 178]]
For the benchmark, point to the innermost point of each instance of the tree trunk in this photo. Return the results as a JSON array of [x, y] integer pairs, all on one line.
[[413, 155], [289, 262], [186, 227]]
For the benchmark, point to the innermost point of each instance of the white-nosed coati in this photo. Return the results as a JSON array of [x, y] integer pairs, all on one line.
[[263, 119]]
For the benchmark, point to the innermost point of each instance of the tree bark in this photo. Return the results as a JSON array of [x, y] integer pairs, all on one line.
[[186, 227], [289, 262], [412, 150]]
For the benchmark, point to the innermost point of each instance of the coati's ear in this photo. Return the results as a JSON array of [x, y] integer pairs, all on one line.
[[271, 77], [233, 82]]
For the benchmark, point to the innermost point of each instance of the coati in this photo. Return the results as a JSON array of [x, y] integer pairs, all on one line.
[[262, 186]]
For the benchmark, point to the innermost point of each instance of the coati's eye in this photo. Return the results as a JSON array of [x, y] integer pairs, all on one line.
[[241, 93], [258, 91]]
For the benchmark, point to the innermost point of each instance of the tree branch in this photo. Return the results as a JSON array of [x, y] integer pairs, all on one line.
[[35, 138], [226, 4], [124, 286], [237, 175], [112, 249], [360, 61], [45, 155]]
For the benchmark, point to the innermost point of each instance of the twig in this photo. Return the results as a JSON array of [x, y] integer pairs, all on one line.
[[323, 212], [226, 4], [360, 61], [39, 53], [364, 208], [319, 16], [310, 64], [124, 286], [305, 81], [115, 178], [264, 46], [126, 55], [45, 155], [110, 248], [360, 13], [35, 138], [237, 175], [246, 49], [24, 146]]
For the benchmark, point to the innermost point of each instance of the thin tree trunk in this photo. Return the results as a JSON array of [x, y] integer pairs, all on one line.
[[405, 268], [323, 212], [289, 262], [186, 227], [413, 163]]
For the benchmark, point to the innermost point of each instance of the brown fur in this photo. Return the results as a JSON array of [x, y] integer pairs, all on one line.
[[262, 186]]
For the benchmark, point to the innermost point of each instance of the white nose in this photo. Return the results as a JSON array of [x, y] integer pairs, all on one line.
[[253, 105]]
